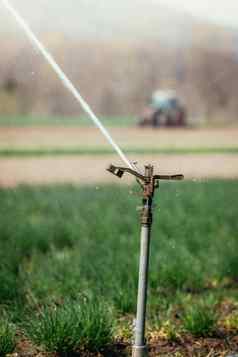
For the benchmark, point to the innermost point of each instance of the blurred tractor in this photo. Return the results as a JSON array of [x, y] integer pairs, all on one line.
[[166, 110]]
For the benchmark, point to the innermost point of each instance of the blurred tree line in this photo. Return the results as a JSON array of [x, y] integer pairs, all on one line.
[[118, 79]]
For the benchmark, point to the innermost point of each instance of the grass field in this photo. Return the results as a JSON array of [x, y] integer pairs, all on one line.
[[94, 151], [69, 273], [26, 121]]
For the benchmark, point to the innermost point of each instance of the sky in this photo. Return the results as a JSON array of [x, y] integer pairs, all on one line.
[[223, 12], [110, 14]]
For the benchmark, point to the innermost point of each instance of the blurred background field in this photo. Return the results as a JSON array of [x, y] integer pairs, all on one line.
[[69, 231], [79, 154], [118, 59]]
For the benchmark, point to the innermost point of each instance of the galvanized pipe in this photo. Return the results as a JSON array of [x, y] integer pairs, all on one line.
[[139, 348]]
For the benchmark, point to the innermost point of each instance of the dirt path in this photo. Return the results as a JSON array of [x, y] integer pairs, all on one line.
[[91, 170], [63, 137]]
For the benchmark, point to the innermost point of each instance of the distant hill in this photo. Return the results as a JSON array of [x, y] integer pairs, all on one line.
[[124, 20]]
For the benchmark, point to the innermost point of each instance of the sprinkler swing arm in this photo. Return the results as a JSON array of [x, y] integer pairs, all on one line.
[[149, 183]]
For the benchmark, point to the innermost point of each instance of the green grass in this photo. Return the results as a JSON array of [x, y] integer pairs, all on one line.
[[24, 121], [72, 326], [200, 319], [231, 321], [60, 245], [7, 337], [44, 152]]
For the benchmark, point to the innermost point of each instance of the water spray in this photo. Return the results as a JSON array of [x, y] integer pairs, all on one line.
[[149, 183], [65, 80]]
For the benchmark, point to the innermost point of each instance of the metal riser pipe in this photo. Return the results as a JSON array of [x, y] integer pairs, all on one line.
[[140, 348]]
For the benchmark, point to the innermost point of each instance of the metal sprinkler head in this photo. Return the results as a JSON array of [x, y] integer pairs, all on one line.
[[149, 183]]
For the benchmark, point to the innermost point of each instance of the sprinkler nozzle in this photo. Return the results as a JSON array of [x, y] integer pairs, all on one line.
[[115, 171]]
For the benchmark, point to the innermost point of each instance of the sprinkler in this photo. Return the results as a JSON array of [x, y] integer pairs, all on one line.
[[149, 183]]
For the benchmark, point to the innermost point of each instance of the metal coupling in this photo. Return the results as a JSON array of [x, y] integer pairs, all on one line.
[[146, 216]]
